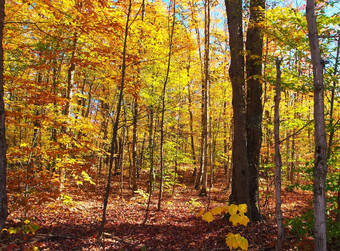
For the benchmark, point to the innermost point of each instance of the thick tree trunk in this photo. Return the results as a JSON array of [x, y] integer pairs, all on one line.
[[254, 45], [3, 146], [240, 192], [320, 169], [278, 160]]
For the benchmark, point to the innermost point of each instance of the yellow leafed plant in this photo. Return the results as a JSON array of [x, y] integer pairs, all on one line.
[[208, 216], [237, 216], [235, 241]]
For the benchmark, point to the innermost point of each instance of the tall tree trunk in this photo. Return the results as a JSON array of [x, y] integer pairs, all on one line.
[[198, 178], [331, 126], [191, 121], [3, 146], [254, 45], [177, 143], [278, 160], [287, 155], [205, 99], [292, 157], [151, 174], [115, 125], [32, 156], [121, 159], [240, 192], [331, 119], [320, 169], [163, 106], [225, 144], [70, 77], [134, 145]]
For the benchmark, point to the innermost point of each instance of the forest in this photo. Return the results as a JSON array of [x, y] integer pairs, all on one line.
[[169, 125]]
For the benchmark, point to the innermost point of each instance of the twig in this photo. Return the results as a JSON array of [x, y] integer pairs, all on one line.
[[297, 132]]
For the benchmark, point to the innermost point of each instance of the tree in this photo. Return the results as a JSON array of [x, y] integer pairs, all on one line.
[[3, 147], [254, 45], [247, 102], [278, 160], [240, 192], [320, 161], [205, 100], [116, 122], [163, 104]]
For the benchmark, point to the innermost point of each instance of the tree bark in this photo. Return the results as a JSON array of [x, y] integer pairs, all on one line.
[[240, 192], [163, 107], [70, 77], [115, 125], [191, 121], [205, 99], [254, 45], [278, 160], [320, 162], [3, 146], [151, 174], [134, 145], [331, 119]]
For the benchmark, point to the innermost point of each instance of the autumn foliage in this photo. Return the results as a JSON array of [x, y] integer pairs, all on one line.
[[63, 63]]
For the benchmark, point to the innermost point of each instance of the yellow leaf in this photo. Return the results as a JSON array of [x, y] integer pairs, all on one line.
[[207, 217], [200, 213], [13, 230], [244, 220], [233, 209], [78, 182], [235, 219], [225, 209], [231, 241], [216, 210], [243, 243], [236, 241], [242, 208]]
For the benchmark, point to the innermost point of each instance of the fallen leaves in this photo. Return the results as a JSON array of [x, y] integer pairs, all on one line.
[[176, 227]]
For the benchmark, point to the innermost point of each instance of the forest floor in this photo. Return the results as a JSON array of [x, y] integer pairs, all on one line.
[[73, 224]]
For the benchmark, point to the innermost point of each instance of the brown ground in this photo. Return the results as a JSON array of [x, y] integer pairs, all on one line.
[[175, 227]]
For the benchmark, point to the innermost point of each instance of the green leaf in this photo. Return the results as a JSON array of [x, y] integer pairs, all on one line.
[[34, 228]]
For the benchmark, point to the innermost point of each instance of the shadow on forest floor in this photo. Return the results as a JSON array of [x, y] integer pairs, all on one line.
[[175, 227]]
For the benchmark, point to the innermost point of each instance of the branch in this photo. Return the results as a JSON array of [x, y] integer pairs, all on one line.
[[297, 132]]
